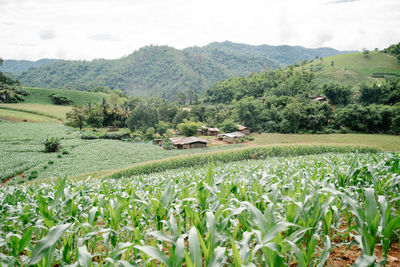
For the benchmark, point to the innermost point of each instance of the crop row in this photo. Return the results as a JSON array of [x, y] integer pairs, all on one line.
[[272, 212]]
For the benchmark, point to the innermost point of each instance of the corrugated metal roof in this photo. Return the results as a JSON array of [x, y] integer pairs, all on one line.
[[234, 135], [187, 140]]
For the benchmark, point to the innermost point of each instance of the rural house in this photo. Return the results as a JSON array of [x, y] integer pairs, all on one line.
[[243, 129], [112, 129], [232, 137], [189, 142], [209, 131]]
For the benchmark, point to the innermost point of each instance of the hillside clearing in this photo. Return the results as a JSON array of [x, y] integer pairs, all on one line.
[[53, 111], [20, 116]]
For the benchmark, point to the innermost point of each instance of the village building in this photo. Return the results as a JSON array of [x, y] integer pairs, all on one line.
[[112, 129], [244, 130], [321, 99], [189, 142], [209, 131], [232, 137]]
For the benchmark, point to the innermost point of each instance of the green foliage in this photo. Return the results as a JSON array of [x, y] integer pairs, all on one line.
[[337, 94], [142, 117], [229, 126], [162, 127], [76, 117], [60, 100], [393, 50], [149, 135], [88, 136], [52, 144], [189, 128], [168, 145]]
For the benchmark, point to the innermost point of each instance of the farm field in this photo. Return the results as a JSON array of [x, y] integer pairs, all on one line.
[[382, 141], [288, 211], [20, 116], [41, 96], [22, 152], [51, 111], [354, 68]]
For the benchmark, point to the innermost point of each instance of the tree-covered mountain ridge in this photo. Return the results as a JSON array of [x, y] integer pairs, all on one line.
[[166, 71]]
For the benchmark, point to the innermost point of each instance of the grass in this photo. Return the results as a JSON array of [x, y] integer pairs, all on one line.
[[48, 110], [353, 68], [41, 96], [382, 141], [19, 116]]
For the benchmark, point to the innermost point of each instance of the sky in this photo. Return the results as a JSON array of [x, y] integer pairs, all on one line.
[[88, 29]]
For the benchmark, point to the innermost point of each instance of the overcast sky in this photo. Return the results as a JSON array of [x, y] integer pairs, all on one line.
[[87, 29]]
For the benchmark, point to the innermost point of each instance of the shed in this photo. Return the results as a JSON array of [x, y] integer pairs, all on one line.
[[112, 129], [232, 137], [212, 131], [244, 130], [320, 99], [189, 142]]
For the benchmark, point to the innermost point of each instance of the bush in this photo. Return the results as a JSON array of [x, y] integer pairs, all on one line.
[[189, 128], [60, 100], [88, 136], [167, 145], [52, 144], [33, 175], [65, 152], [249, 137], [115, 136], [229, 126]]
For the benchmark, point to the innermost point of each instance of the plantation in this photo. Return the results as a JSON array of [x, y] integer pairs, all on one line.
[[301, 211], [22, 152]]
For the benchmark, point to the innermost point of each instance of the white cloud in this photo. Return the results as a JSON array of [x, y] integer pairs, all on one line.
[[90, 29]]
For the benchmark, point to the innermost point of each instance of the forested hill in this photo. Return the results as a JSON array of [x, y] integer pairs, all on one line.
[[18, 66], [166, 71]]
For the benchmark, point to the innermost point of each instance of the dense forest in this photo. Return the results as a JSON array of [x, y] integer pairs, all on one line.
[[165, 71], [16, 67], [275, 101], [10, 89]]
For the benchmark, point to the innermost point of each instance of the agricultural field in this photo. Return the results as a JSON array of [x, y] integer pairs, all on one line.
[[22, 152], [286, 211], [41, 96], [353, 68], [46, 110], [20, 116], [382, 141]]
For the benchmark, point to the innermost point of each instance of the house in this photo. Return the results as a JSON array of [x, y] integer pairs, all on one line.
[[244, 130], [189, 142], [112, 129], [157, 141], [320, 99], [209, 131], [232, 137]]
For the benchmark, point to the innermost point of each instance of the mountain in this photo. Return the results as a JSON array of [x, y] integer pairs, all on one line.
[[18, 66], [166, 71]]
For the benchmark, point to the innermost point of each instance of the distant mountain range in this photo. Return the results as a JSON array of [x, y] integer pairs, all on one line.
[[162, 70]]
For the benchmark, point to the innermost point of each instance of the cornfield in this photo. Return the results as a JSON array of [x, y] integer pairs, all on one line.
[[271, 212]]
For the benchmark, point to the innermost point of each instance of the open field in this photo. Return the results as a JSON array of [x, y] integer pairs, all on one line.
[[353, 68], [382, 141], [18, 116], [41, 96], [21, 151], [287, 211], [48, 110]]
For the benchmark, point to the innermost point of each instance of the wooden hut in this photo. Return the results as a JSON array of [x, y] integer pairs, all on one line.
[[189, 142], [232, 137], [112, 129], [244, 130]]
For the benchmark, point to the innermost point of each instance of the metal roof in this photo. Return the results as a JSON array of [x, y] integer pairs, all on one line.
[[234, 135], [187, 140]]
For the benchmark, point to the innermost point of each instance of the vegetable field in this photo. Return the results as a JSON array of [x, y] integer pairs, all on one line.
[[292, 211]]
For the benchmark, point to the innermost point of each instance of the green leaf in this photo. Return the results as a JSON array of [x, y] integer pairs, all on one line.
[[325, 254], [25, 239], [364, 261], [210, 176], [44, 245], [194, 245], [218, 257], [155, 254], [179, 252], [236, 256], [85, 258]]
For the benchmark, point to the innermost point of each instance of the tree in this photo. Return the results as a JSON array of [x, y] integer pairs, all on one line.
[[189, 128], [229, 126], [1, 61], [162, 127], [94, 119], [337, 94], [76, 117], [366, 52], [142, 117]]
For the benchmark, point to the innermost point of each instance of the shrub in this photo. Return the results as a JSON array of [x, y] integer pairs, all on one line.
[[167, 145], [60, 100], [65, 152], [189, 128], [51, 144], [88, 136], [33, 175], [50, 162], [115, 136], [249, 137], [229, 126]]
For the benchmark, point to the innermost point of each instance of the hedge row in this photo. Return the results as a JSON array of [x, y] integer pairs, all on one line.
[[237, 155]]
